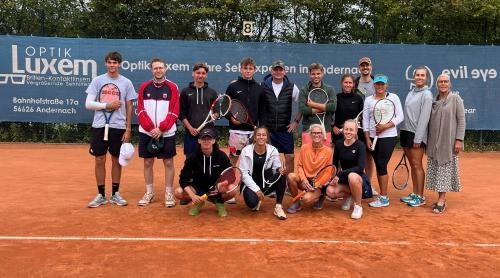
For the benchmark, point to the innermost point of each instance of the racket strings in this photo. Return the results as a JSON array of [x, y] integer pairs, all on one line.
[[228, 180], [222, 106], [239, 112]]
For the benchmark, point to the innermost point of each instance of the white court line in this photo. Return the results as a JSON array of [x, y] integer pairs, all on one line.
[[248, 240]]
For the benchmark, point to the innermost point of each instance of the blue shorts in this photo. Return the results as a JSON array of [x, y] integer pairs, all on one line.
[[283, 141], [190, 143]]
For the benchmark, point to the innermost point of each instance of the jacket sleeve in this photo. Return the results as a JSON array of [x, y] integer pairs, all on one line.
[[183, 106], [303, 107], [173, 110], [399, 117], [187, 172], [246, 169], [331, 106], [300, 166], [423, 119], [142, 115], [460, 118]]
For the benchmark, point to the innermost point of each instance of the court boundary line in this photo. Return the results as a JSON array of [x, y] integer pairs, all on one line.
[[248, 240]]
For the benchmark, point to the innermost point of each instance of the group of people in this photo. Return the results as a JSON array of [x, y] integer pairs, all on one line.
[[431, 125]]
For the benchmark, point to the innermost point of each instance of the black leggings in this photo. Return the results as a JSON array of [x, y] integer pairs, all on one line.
[[251, 198], [382, 153]]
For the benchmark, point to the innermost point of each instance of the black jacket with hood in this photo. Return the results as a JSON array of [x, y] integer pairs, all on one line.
[[195, 103]]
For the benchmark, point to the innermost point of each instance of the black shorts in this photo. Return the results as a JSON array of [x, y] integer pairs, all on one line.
[[283, 141], [168, 150], [366, 188], [406, 139], [99, 147]]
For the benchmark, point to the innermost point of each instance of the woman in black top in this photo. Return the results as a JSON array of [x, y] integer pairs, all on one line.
[[350, 182], [349, 105]]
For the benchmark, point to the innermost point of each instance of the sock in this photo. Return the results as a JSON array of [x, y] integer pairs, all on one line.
[[149, 188], [278, 205], [101, 190], [168, 189], [115, 187]]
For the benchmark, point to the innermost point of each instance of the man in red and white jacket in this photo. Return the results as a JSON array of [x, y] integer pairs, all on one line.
[[157, 112]]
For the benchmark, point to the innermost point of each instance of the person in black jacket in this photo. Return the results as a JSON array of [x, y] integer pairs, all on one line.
[[276, 111], [195, 102], [201, 170], [248, 92]]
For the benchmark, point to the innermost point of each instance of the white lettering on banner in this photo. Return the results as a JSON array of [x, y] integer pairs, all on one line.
[[463, 72], [41, 65]]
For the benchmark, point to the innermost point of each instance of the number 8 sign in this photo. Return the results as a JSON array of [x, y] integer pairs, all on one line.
[[248, 28]]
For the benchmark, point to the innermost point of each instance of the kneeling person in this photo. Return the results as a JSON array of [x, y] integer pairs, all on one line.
[[351, 182], [201, 170], [255, 158], [313, 158]]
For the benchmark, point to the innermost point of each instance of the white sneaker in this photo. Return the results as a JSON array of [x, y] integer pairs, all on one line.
[[278, 212], [231, 201], [381, 201], [169, 200], [357, 211], [146, 199], [347, 203]]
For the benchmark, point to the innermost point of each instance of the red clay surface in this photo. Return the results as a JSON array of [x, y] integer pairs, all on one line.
[[46, 188]]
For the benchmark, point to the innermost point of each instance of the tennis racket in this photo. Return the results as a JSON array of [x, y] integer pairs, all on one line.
[[227, 182], [108, 93], [401, 174], [383, 112], [323, 178], [240, 113], [219, 108], [319, 95]]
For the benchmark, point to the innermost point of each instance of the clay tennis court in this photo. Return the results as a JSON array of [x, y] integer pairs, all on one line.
[[47, 230]]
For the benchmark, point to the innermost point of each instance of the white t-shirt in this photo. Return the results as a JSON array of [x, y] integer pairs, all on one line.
[[277, 89], [369, 121], [127, 92]]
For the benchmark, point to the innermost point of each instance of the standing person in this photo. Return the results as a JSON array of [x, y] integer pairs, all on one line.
[[364, 82], [313, 157], [365, 87], [445, 140], [387, 135], [119, 128], [201, 170], [309, 108], [350, 182], [349, 105], [157, 111], [253, 159], [196, 100], [248, 91], [278, 97], [413, 134]]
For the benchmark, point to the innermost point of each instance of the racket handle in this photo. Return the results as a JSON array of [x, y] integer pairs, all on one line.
[[203, 197], [374, 142], [106, 131], [299, 196]]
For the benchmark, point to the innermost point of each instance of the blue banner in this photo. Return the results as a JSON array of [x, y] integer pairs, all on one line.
[[44, 79]]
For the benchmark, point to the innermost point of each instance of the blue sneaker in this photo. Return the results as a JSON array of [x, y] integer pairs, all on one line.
[[408, 198], [418, 201], [382, 201]]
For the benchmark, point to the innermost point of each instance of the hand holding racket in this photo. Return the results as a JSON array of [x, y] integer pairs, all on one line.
[[227, 182], [383, 112], [323, 178], [318, 96], [109, 94], [240, 113], [219, 108], [401, 174]]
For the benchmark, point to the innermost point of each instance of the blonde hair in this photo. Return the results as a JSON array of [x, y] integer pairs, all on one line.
[[355, 124], [321, 127], [263, 128]]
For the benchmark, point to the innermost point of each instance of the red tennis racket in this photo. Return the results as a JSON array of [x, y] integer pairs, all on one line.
[[108, 94]]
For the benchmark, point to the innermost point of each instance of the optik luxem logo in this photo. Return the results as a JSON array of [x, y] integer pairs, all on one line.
[[51, 61]]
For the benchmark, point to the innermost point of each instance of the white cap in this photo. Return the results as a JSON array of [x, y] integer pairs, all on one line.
[[126, 153]]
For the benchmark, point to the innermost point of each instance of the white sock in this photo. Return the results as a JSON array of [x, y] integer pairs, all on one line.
[[278, 205], [149, 188], [168, 189]]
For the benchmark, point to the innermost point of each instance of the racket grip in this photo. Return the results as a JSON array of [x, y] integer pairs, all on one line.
[[299, 196], [374, 142], [106, 131], [203, 197], [200, 128]]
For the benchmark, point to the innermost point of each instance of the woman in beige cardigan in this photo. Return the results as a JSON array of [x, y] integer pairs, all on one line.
[[445, 140]]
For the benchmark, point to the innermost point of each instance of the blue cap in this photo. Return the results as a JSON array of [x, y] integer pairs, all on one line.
[[380, 78]]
